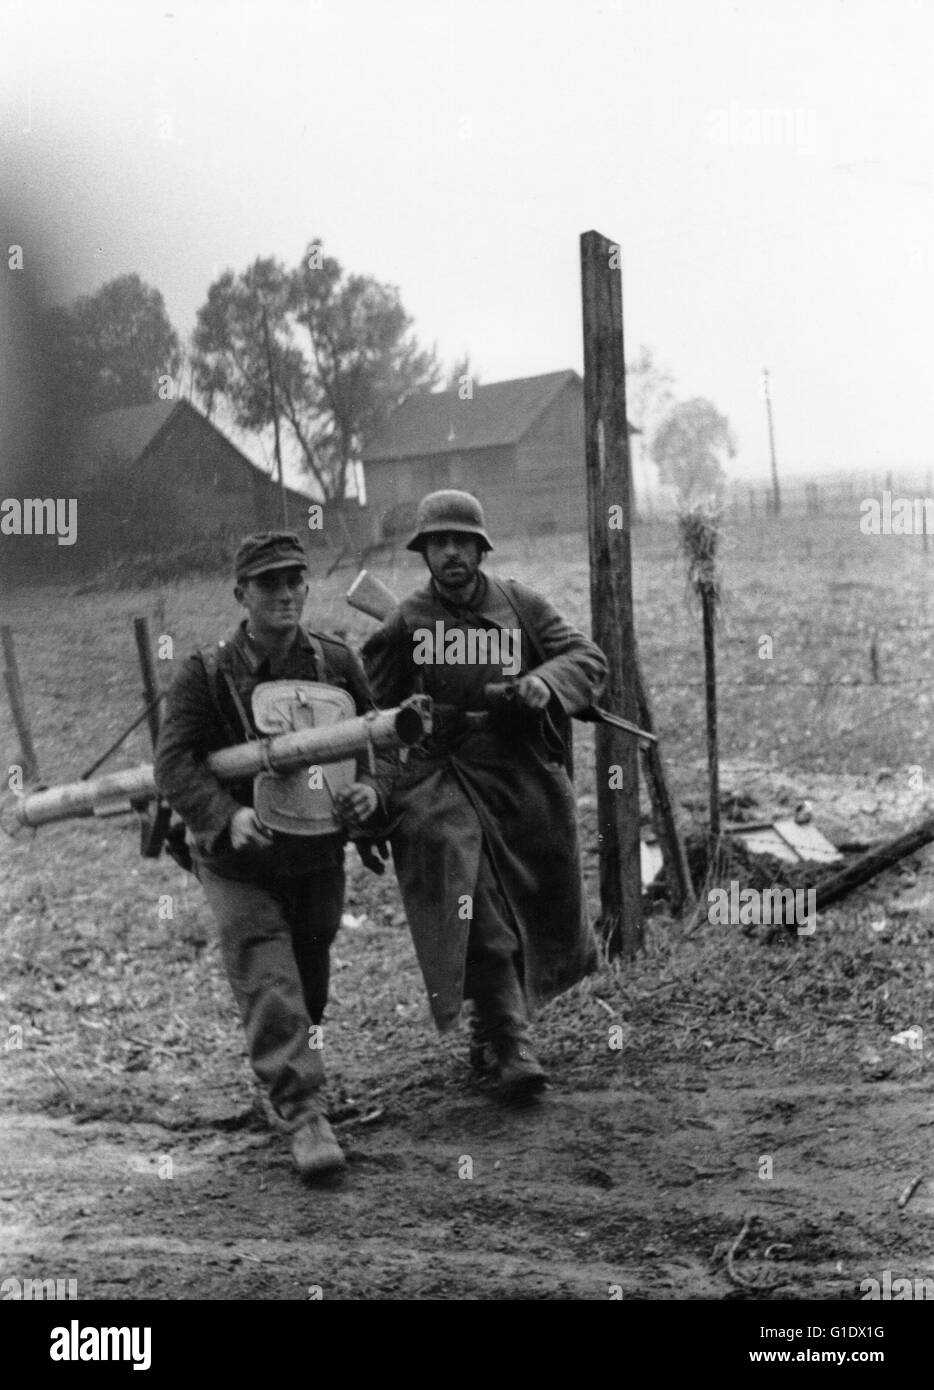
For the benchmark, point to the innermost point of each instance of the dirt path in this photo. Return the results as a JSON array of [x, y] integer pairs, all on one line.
[[595, 1193], [132, 1161]]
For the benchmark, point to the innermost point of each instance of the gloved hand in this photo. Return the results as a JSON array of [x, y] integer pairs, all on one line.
[[532, 692], [356, 804], [374, 854]]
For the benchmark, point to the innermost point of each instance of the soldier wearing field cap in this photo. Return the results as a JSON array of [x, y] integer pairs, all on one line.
[[482, 816], [269, 853]]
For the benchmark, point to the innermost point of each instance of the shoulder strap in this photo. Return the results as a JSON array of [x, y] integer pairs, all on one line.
[[317, 647], [508, 590], [558, 725], [215, 670]]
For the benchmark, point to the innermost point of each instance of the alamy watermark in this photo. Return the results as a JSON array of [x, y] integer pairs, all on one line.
[[896, 516], [895, 1290], [792, 127], [40, 516], [77, 1343], [477, 646], [24, 1290], [754, 907]]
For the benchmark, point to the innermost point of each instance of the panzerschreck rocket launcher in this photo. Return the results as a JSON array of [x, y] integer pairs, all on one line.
[[286, 750], [116, 793]]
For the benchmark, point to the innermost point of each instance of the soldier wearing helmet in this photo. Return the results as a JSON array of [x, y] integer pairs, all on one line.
[[482, 815]]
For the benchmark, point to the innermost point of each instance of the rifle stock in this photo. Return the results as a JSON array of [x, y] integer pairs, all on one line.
[[370, 595]]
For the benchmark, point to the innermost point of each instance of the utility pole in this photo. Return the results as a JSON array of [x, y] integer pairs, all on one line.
[[275, 418], [767, 393]]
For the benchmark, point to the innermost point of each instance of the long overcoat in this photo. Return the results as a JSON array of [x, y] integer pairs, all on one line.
[[497, 786]]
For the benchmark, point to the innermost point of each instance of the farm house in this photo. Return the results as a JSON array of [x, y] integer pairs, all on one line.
[[167, 469], [508, 439]]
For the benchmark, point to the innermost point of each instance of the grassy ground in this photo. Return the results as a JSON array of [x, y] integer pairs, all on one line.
[[674, 1076]]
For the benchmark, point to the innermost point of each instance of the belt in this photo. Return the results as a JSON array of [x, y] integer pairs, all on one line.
[[451, 720]]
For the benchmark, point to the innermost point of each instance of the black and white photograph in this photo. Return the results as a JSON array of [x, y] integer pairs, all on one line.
[[466, 601]]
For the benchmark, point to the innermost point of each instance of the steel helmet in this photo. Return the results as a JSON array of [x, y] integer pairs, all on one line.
[[448, 511]]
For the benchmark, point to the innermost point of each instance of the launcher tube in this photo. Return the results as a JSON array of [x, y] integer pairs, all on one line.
[[116, 791]]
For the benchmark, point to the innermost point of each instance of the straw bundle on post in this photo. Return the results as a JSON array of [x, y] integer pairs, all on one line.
[[699, 530]]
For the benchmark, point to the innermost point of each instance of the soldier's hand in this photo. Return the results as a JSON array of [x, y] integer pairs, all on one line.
[[246, 831], [374, 854], [355, 804], [532, 692]]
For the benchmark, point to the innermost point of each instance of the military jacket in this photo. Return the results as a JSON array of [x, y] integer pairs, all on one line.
[[202, 716]]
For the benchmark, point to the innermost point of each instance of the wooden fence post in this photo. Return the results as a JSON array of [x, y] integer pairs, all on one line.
[[18, 707], [609, 510], [148, 673]]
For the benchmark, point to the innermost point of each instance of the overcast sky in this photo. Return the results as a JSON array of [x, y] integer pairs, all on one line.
[[458, 150]]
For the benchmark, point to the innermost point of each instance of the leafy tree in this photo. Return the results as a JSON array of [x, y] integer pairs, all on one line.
[[109, 349], [229, 358], [340, 357], [689, 446]]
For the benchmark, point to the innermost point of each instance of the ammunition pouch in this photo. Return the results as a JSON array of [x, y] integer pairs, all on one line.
[[301, 802]]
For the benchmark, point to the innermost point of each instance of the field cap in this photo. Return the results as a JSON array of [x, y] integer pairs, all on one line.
[[268, 550], [448, 510]]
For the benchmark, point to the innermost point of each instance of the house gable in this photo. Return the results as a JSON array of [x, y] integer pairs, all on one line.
[[169, 461], [440, 422]]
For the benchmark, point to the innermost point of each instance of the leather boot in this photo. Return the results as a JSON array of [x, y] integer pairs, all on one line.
[[521, 1075], [482, 1059], [315, 1150], [500, 1017]]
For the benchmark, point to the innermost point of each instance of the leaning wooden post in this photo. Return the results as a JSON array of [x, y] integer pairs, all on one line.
[[677, 871], [18, 707], [609, 510]]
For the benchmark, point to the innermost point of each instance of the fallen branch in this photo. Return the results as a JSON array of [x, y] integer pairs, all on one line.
[[873, 863], [910, 1191]]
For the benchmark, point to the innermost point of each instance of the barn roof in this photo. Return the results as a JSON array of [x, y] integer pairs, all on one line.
[[118, 435], [440, 422], [123, 436]]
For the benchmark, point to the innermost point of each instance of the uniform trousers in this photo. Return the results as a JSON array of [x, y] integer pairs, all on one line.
[[275, 938], [493, 972]]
